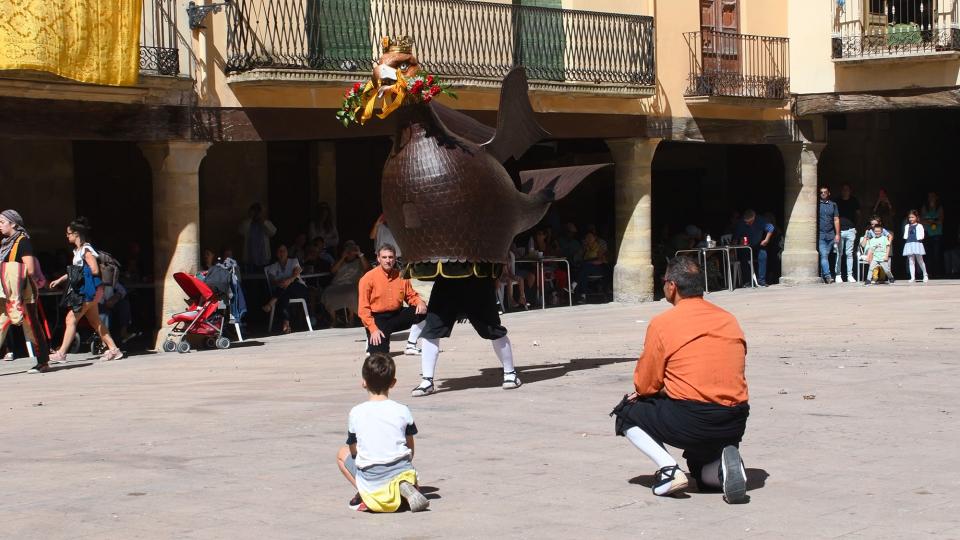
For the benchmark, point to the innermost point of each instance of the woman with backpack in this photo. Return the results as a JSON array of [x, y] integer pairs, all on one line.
[[86, 291]]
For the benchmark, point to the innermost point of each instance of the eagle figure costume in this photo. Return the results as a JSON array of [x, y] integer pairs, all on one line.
[[451, 204]]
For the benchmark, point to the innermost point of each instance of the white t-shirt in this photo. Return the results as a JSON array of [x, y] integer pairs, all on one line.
[[79, 253], [380, 429]]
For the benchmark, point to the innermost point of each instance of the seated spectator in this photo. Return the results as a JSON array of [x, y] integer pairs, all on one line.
[[594, 263], [505, 285], [343, 292], [569, 245], [285, 282], [298, 250], [208, 259], [115, 312], [869, 234], [758, 234]]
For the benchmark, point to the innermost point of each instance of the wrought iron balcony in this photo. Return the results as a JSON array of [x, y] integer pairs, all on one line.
[[738, 65], [454, 38], [158, 38], [864, 29]]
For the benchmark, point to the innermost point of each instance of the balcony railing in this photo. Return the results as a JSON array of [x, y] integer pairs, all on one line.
[[452, 38], [738, 65], [158, 38], [891, 28]]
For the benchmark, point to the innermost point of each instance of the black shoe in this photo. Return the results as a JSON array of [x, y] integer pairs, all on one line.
[[762, 284], [733, 477], [39, 368], [828, 280]]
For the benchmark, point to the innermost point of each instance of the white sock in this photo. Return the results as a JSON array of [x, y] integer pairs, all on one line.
[[649, 447], [415, 333], [923, 267], [710, 474], [504, 351], [430, 350], [913, 274]]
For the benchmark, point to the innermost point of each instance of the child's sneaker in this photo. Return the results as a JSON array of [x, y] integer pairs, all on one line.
[[925, 279], [425, 388], [356, 503], [415, 499]]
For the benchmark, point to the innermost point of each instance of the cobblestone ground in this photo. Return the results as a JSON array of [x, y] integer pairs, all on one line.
[[853, 431]]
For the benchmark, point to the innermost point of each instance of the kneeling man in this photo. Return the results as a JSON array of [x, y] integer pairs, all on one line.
[[691, 392], [381, 295]]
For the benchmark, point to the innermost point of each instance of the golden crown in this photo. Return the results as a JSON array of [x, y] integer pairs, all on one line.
[[402, 44]]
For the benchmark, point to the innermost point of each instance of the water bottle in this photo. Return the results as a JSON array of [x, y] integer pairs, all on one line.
[[709, 242]]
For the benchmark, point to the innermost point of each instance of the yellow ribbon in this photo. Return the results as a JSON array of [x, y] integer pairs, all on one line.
[[368, 98]]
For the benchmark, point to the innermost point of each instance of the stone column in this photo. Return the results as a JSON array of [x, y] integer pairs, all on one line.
[[633, 274], [176, 219], [800, 259]]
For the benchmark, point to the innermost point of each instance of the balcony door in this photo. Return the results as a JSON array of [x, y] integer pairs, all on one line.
[[539, 38], [338, 34], [719, 24]]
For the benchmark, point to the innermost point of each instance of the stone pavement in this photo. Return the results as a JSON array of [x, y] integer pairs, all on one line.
[[241, 443]]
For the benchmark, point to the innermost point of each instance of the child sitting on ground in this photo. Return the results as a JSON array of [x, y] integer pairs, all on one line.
[[378, 458], [878, 252]]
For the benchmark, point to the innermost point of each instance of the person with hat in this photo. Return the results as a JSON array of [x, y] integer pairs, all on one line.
[[18, 262]]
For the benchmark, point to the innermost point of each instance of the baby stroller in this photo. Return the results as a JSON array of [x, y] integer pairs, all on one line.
[[202, 317]]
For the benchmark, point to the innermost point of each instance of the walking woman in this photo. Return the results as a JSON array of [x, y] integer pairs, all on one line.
[[15, 247], [88, 288]]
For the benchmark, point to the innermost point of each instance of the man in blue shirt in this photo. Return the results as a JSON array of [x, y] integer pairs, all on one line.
[[828, 231], [758, 234]]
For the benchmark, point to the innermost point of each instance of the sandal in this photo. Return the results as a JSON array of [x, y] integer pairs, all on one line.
[[422, 390], [57, 357], [511, 381]]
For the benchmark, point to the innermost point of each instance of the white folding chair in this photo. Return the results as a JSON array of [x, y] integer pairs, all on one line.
[[863, 265], [273, 310]]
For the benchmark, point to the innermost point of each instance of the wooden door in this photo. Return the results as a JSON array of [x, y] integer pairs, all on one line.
[[719, 26]]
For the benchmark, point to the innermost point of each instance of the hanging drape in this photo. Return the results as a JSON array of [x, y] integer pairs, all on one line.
[[93, 41]]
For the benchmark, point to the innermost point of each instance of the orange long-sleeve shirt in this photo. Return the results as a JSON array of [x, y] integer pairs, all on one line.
[[695, 351], [381, 291]]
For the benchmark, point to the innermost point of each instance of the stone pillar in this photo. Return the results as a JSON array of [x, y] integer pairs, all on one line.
[[800, 259], [633, 274], [176, 219]]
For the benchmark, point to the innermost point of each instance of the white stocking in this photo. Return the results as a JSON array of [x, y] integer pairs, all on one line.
[[504, 351], [430, 350], [415, 332]]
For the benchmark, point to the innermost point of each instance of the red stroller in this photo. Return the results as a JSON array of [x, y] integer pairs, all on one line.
[[202, 318]]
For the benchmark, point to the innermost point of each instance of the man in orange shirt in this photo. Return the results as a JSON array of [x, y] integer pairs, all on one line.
[[691, 392], [382, 293]]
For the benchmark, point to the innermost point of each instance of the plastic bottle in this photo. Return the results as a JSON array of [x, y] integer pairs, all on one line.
[[709, 242]]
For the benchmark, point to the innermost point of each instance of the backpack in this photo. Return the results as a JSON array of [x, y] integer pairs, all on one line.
[[109, 268]]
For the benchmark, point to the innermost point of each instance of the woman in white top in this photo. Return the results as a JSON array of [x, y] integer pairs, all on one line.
[[84, 255]]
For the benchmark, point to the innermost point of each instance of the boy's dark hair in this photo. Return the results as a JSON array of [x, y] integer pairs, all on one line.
[[687, 275], [379, 372]]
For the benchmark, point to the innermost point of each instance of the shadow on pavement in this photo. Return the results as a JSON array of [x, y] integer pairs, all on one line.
[[430, 492], [59, 367], [493, 377], [247, 343]]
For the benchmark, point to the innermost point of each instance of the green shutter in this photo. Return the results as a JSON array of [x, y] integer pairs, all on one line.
[[540, 39], [338, 34]]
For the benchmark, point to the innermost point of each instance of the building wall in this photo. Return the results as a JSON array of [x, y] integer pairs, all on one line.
[[814, 71]]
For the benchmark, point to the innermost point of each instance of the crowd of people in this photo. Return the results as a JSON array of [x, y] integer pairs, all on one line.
[[920, 231]]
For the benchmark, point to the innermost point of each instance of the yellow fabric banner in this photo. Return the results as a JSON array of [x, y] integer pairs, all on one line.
[[93, 41]]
